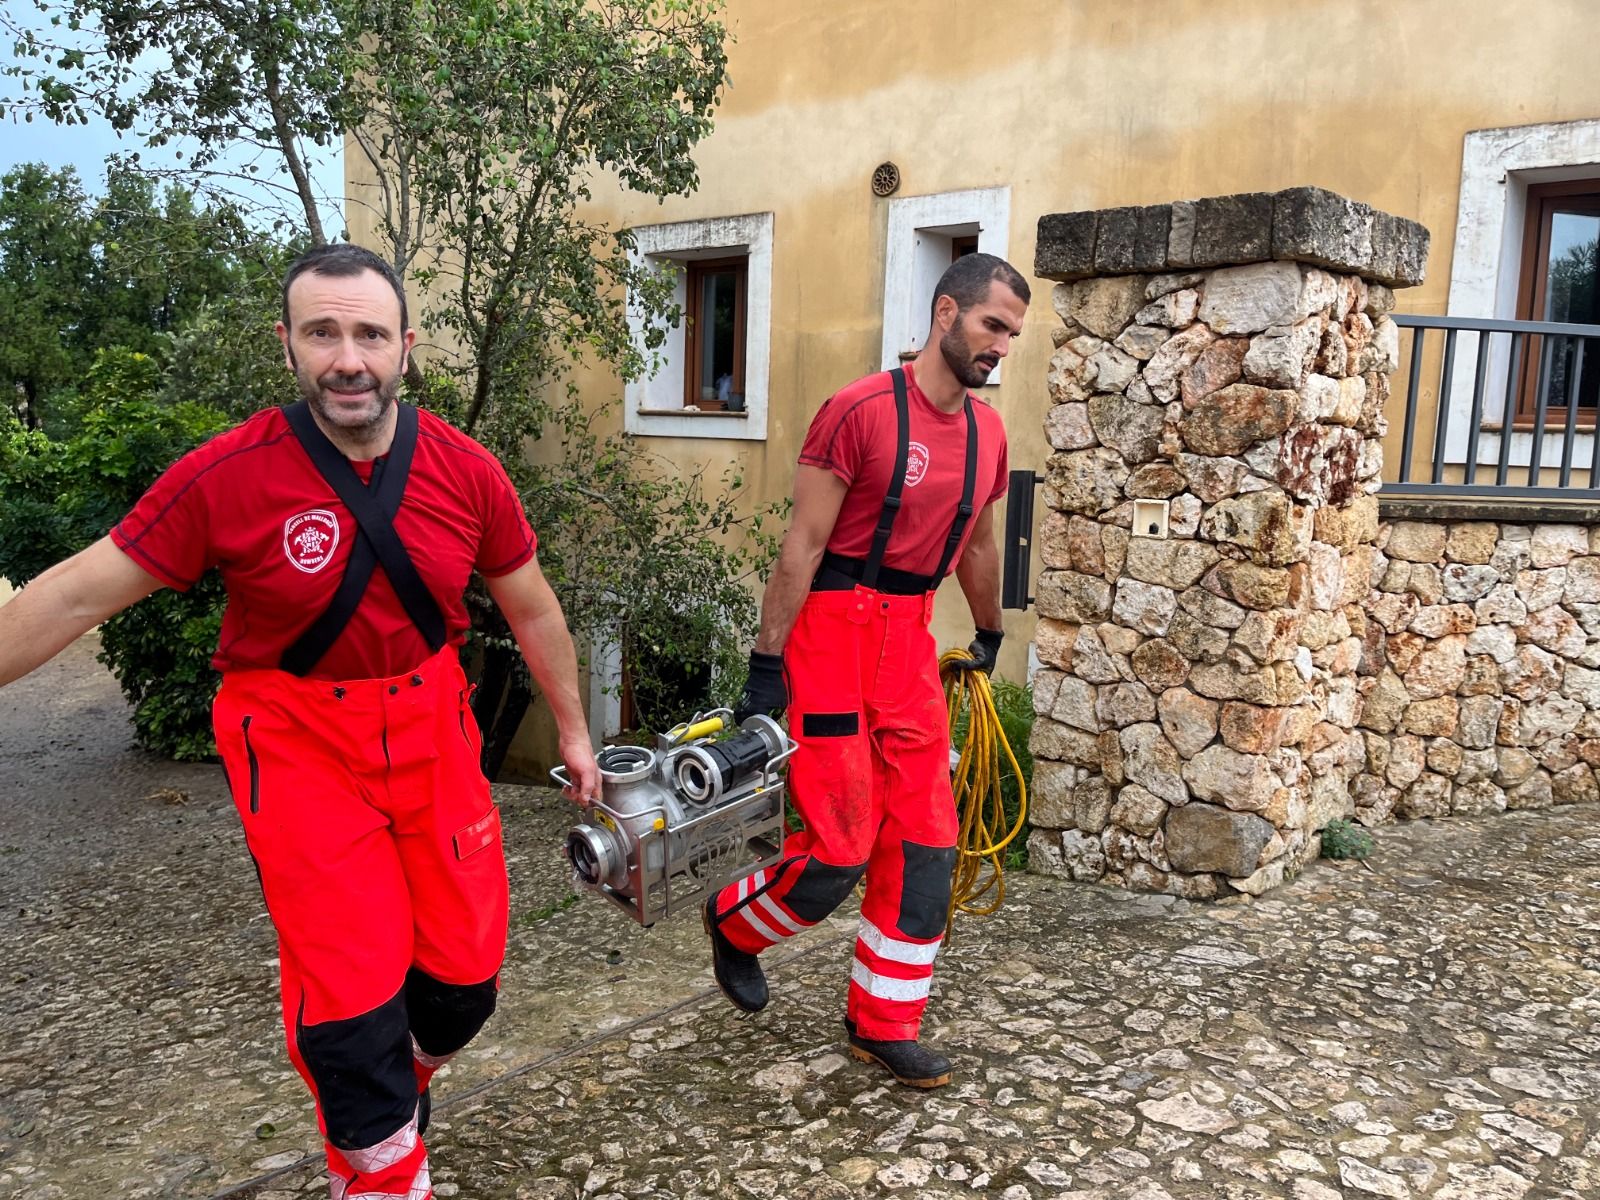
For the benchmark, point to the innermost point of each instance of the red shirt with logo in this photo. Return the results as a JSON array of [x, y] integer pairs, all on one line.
[[251, 503], [854, 435]]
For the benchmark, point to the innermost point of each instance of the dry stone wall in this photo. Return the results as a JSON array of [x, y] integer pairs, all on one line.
[[1199, 698], [1485, 643]]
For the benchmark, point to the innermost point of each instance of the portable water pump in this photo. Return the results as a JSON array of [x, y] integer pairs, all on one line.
[[677, 823]]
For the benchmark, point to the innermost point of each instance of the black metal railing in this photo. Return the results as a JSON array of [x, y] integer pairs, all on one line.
[[1528, 388]]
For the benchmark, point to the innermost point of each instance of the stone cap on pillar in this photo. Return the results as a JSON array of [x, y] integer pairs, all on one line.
[[1303, 224]]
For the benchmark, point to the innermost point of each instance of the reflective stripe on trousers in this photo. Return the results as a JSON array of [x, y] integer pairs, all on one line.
[[871, 781]]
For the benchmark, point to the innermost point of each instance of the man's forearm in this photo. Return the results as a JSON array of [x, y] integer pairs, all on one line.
[[33, 629], [546, 647], [64, 603], [786, 595], [979, 577]]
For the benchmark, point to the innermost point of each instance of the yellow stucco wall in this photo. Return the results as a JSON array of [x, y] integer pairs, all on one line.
[[1078, 104]]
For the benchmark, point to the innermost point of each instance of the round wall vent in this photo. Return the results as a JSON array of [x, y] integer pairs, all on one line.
[[886, 179]]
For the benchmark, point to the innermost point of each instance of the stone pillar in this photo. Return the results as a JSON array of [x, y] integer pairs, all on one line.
[[1221, 369]]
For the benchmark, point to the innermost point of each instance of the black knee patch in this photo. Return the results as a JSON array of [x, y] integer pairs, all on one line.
[[925, 889], [446, 1016], [366, 1087], [820, 889]]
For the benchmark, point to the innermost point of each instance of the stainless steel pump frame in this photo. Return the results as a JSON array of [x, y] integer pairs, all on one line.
[[679, 859]]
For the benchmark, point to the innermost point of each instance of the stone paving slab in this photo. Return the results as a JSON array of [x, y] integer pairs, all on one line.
[[1424, 1028], [1416, 1030], [141, 1049]]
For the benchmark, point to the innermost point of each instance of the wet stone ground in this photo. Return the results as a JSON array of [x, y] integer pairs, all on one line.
[[1427, 1027]]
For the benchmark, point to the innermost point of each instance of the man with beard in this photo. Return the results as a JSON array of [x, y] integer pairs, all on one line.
[[896, 485], [345, 528]]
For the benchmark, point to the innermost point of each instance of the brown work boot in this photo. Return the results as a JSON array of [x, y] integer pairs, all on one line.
[[738, 972], [910, 1062]]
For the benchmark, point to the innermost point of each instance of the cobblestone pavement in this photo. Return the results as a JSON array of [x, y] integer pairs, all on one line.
[[1423, 1028]]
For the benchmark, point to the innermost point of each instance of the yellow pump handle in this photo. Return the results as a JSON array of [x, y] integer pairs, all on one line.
[[688, 733]]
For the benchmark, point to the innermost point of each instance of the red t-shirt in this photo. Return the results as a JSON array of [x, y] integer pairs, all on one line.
[[854, 435], [251, 503]]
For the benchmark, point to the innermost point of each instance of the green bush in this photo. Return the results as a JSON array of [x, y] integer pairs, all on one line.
[[1013, 704], [58, 496], [1343, 838], [160, 651], [661, 560]]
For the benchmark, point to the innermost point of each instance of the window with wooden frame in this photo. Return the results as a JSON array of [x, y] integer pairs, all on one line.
[[727, 331], [1560, 282], [715, 303]]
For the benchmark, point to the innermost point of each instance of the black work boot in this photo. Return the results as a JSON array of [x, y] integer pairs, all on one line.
[[738, 973], [910, 1062]]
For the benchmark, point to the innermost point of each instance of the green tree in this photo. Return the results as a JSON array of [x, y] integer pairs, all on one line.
[[160, 256], [239, 86], [484, 126], [140, 266], [225, 357], [1574, 295], [481, 198], [482, 202], [134, 302], [46, 263]]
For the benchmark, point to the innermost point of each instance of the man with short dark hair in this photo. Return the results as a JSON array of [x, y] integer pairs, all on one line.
[[891, 474], [345, 528]]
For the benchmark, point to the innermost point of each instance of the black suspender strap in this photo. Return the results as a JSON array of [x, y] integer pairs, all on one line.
[[897, 479], [964, 510], [377, 543], [873, 563]]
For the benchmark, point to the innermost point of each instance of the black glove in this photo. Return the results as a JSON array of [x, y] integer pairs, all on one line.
[[985, 649], [764, 689]]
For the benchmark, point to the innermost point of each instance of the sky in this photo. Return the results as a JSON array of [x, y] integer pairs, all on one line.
[[85, 147]]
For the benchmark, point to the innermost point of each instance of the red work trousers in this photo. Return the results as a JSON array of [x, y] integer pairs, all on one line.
[[379, 854], [871, 781]]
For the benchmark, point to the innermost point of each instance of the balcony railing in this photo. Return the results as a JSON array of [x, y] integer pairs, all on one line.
[[1469, 386]]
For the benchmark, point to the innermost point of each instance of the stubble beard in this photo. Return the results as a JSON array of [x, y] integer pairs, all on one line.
[[963, 364], [357, 425]]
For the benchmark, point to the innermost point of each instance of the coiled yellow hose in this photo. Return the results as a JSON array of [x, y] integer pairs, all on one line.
[[984, 835]]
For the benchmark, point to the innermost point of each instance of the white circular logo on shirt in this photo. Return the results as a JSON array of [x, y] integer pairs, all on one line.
[[310, 539], [916, 463]]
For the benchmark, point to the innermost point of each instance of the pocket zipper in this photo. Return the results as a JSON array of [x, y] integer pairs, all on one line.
[[255, 768]]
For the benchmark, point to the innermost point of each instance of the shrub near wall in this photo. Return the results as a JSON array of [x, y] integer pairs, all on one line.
[[58, 496], [1483, 660]]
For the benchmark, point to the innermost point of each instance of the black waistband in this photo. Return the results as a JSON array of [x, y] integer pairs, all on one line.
[[839, 574]]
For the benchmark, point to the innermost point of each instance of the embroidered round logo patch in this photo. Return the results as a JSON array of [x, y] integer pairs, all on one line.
[[310, 539], [916, 463]]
